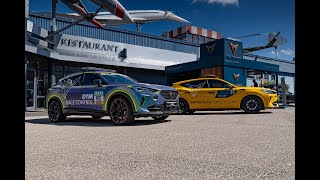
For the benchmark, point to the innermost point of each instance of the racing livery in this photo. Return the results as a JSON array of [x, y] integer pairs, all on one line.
[[212, 93], [100, 93]]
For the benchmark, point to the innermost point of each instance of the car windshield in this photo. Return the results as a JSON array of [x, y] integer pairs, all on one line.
[[119, 79]]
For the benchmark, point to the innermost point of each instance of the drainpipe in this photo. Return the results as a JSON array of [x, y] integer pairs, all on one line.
[[53, 29]]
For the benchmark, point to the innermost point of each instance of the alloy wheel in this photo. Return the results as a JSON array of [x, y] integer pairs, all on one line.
[[119, 111]]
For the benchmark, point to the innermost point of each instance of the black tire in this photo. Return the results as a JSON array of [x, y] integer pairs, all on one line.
[[191, 111], [160, 118], [184, 106], [120, 111], [55, 112], [97, 116], [252, 104]]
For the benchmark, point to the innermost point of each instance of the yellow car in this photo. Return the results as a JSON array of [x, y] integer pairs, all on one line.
[[213, 93]]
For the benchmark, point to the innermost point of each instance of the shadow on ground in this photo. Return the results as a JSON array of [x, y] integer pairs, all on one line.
[[76, 121], [220, 113]]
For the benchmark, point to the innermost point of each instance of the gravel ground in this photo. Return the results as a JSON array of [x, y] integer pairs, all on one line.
[[205, 145]]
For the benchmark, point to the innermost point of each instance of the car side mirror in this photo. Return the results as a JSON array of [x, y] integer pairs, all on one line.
[[230, 87], [98, 82]]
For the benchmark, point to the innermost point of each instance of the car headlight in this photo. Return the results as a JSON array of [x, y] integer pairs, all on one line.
[[268, 91], [144, 89]]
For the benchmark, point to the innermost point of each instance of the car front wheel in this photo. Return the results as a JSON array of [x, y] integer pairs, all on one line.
[[55, 112], [184, 106], [120, 111], [252, 104]]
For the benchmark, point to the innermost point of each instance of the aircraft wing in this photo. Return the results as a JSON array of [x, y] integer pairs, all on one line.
[[270, 44], [115, 8], [119, 22], [81, 5], [257, 48], [138, 16], [78, 7]]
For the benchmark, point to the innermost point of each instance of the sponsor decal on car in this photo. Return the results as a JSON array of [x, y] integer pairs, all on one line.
[[98, 97], [195, 88], [225, 93]]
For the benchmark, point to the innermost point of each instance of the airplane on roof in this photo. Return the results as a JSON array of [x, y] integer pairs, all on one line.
[[113, 6], [271, 43], [139, 17]]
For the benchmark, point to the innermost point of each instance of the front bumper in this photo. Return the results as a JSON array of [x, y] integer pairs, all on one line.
[[157, 104], [169, 107], [272, 102], [156, 113]]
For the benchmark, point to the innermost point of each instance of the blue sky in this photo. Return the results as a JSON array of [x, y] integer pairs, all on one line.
[[232, 18]]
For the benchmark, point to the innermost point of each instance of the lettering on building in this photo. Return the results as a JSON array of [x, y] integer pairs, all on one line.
[[88, 45]]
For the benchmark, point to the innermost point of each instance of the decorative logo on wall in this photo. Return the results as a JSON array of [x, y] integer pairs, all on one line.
[[236, 76], [233, 47], [211, 48]]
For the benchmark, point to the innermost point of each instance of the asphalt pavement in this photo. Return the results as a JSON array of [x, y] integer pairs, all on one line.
[[205, 145]]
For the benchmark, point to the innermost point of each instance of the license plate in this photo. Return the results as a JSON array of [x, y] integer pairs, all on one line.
[[171, 104]]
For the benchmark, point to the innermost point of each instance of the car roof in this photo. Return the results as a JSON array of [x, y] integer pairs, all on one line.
[[91, 72], [184, 81]]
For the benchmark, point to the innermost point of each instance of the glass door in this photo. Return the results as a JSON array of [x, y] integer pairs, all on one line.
[[31, 90], [42, 85]]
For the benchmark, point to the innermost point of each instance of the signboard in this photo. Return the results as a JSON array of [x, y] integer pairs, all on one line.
[[88, 45], [109, 52]]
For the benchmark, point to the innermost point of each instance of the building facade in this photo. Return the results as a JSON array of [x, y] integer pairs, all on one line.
[[141, 56], [224, 58], [193, 34], [147, 58]]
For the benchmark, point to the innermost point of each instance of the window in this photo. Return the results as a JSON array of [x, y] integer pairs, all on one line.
[[75, 80], [202, 39], [195, 39], [189, 37], [88, 79], [183, 37], [273, 77], [196, 84], [265, 76], [217, 84], [59, 72]]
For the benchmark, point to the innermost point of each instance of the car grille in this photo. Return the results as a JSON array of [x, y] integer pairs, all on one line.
[[162, 108], [169, 94]]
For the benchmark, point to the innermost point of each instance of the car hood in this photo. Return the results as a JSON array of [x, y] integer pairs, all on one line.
[[154, 86], [145, 85], [253, 88], [250, 88]]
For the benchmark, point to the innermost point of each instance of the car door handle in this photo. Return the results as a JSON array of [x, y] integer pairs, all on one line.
[[211, 92], [187, 92], [81, 91]]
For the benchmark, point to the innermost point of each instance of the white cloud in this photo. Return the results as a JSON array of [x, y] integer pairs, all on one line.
[[223, 2], [288, 52]]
